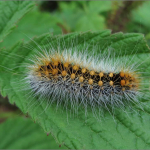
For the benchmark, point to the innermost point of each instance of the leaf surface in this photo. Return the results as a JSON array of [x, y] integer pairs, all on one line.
[[140, 15], [22, 133], [10, 13], [28, 28], [83, 16], [121, 131]]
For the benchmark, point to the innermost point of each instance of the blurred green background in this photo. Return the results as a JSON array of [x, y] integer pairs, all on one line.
[[62, 17]]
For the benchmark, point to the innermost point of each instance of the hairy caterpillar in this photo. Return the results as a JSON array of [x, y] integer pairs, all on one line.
[[75, 77]]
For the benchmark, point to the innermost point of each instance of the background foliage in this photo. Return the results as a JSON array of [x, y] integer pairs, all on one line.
[[20, 21]]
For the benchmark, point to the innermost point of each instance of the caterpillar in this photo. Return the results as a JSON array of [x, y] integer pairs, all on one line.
[[76, 77]]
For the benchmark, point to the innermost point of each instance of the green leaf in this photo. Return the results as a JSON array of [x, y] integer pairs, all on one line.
[[93, 22], [22, 133], [83, 16], [140, 15], [28, 26], [69, 13], [121, 131], [100, 6], [139, 19], [10, 13]]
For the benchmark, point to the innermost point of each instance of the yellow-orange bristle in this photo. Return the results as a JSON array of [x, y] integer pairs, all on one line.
[[39, 74], [81, 79], [130, 85], [122, 82], [83, 70], [123, 89], [92, 73], [66, 64], [127, 82], [75, 67], [73, 76], [46, 73], [126, 75], [55, 63], [122, 74], [101, 74], [54, 71], [46, 62], [111, 75], [90, 81], [100, 83], [91, 87], [111, 83], [64, 73], [81, 85]]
